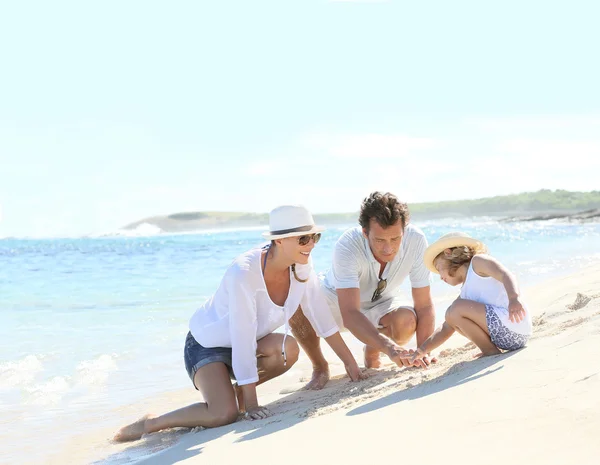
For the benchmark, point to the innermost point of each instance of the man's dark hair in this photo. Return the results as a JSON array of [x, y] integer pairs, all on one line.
[[386, 209]]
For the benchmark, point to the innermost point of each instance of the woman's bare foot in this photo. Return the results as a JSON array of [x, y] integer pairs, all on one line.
[[372, 357], [133, 431], [319, 379]]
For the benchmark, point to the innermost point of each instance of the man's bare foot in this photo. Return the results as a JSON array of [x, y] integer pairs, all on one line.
[[240, 398], [372, 357], [319, 379], [133, 431]]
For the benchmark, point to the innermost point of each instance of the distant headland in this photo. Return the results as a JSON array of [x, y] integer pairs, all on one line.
[[528, 206]]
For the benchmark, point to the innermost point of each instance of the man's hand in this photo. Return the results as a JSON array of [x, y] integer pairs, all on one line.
[[399, 356], [516, 312], [355, 373]]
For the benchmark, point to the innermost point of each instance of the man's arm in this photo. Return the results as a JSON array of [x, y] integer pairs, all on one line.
[[425, 313], [363, 329]]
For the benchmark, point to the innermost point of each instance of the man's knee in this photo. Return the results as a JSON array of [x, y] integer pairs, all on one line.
[[405, 319]]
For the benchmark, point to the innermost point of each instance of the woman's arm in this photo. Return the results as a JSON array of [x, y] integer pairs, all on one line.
[[316, 309], [337, 343], [243, 333]]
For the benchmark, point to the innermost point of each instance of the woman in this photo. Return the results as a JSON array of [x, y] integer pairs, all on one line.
[[231, 335]]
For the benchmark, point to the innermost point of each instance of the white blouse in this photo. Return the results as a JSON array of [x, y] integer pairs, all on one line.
[[241, 312]]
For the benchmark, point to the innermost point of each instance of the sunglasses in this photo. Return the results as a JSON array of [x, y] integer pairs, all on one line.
[[304, 240], [380, 288]]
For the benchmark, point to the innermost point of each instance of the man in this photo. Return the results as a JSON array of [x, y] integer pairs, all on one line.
[[370, 263]]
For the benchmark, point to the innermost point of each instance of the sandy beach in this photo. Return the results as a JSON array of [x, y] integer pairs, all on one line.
[[537, 405]]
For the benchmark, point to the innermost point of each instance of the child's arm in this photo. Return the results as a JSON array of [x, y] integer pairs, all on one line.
[[439, 336], [484, 265]]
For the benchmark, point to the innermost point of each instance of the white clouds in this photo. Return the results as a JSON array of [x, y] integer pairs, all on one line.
[[264, 168], [370, 145], [529, 164], [359, 1], [327, 172], [575, 153], [528, 123]]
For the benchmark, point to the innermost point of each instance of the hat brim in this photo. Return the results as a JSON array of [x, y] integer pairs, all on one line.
[[446, 243], [315, 229]]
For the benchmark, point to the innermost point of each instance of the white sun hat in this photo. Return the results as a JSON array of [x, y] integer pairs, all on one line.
[[290, 220], [447, 241]]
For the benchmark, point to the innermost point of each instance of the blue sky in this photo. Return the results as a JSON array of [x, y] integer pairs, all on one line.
[[114, 111]]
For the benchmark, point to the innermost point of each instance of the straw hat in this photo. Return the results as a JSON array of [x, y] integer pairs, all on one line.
[[447, 241], [289, 221]]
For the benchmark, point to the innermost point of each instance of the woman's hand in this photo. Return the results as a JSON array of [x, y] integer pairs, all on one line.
[[516, 311], [257, 413], [355, 373]]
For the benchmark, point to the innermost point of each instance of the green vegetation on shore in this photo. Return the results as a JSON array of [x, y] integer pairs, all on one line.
[[524, 204], [542, 201]]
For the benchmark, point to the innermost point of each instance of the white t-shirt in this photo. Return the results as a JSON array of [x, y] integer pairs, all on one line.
[[241, 312], [354, 266]]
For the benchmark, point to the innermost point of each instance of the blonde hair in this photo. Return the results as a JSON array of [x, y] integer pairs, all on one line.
[[459, 256]]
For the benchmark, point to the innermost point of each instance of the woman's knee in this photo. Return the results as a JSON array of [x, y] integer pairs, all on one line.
[[225, 415]]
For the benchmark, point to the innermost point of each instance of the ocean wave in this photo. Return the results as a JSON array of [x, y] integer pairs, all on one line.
[[23, 375], [20, 372], [49, 393], [95, 372], [141, 230]]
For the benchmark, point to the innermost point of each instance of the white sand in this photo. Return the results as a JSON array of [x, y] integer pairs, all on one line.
[[537, 405]]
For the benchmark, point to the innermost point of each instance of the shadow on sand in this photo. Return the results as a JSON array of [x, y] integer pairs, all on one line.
[[458, 374], [296, 407]]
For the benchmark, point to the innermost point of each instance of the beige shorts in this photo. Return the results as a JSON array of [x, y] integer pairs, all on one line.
[[373, 314]]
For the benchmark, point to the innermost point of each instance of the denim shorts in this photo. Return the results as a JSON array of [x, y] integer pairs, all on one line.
[[197, 356]]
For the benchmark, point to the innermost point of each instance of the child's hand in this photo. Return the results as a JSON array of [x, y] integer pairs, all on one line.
[[399, 356], [418, 358], [516, 312]]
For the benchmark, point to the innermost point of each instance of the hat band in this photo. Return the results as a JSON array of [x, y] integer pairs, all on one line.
[[292, 230]]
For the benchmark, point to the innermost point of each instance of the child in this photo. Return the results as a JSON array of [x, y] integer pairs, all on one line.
[[489, 311]]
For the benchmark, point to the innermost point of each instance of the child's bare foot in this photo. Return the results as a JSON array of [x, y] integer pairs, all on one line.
[[133, 431], [372, 357], [487, 353]]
